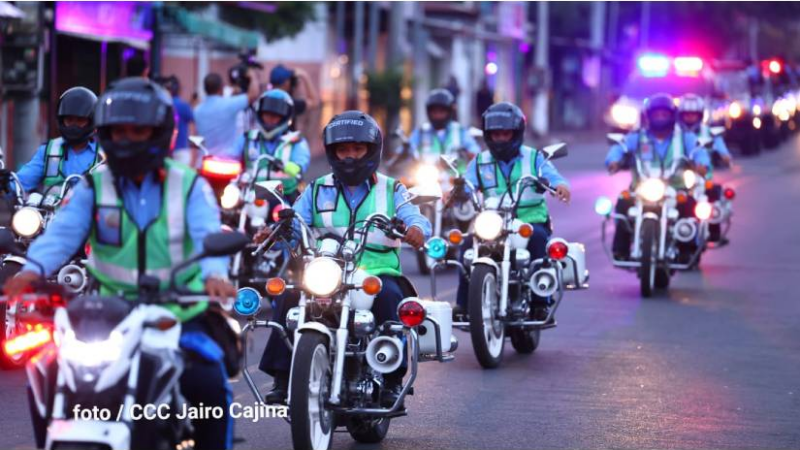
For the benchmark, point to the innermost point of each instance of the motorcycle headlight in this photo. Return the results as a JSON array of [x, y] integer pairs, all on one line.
[[91, 354], [322, 276], [488, 225], [27, 222], [652, 189], [426, 173], [689, 179], [625, 116], [230, 197]]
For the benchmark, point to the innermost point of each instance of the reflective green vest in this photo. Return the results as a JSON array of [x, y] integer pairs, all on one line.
[[283, 152], [54, 162], [382, 255], [430, 145], [121, 251], [532, 207], [657, 165]]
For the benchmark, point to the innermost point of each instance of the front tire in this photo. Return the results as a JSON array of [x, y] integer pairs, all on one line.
[[312, 424], [486, 331], [7, 326], [524, 341], [647, 271], [368, 430]]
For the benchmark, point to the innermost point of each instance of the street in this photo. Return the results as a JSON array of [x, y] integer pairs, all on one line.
[[714, 363]]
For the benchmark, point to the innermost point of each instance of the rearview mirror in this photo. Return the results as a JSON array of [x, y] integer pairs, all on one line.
[[616, 138], [555, 151], [717, 131], [269, 190], [704, 141], [475, 132], [224, 244], [197, 141], [427, 193]]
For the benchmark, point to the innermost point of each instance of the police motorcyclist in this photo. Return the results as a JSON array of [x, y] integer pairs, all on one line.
[[442, 134], [659, 143], [145, 212], [275, 112], [74, 152], [691, 109], [497, 170], [353, 145]]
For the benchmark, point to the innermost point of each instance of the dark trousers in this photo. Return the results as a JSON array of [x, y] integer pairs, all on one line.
[[623, 232], [537, 247], [277, 358]]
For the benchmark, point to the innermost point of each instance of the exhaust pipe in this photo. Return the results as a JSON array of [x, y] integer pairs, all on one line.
[[544, 282], [385, 354]]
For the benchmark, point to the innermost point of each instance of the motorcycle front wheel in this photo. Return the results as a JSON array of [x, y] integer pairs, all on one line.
[[647, 271], [486, 331], [312, 424]]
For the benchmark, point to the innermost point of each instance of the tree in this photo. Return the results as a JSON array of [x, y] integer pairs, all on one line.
[[275, 20]]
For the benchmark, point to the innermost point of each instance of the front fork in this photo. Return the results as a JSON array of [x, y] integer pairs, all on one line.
[[505, 270]]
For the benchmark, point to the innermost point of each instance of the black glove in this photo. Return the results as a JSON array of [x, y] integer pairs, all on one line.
[[5, 180]]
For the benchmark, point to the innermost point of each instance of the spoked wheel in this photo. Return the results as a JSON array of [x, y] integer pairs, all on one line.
[[312, 424], [368, 430], [487, 332], [524, 341], [8, 325], [647, 271]]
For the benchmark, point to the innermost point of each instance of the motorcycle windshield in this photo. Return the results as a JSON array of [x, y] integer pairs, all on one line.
[[93, 318]]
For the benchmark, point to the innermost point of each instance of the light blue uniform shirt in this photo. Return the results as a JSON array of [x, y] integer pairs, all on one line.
[[31, 175], [697, 154], [467, 141], [216, 121], [70, 228], [301, 153], [408, 213], [549, 171]]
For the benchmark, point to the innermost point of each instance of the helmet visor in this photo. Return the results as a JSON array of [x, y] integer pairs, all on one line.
[[138, 108]]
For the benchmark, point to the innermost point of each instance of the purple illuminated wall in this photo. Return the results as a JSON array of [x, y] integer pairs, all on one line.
[[124, 20]]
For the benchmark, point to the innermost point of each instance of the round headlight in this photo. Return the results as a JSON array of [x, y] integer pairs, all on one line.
[[625, 116], [652, 189], [488, 225], [689, 178], [230, 197], [322, 276], [27, 222], [426, 173]]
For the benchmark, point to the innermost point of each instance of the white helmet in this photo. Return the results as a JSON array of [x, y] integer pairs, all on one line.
[[691, 103]]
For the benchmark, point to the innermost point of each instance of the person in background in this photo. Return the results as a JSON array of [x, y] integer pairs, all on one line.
[[183, 111], [136, 66], [484, 98], [298, 84], [216, 116]]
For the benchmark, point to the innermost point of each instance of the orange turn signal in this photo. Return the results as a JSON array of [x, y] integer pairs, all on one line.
[[372, 285], [259, 202], [276, 286], [709, 185], [626, 195], [526, 230], [681, 197], [455, 236]]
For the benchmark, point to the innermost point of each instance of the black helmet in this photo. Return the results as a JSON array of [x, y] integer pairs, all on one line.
[[277, 102], [78, 102], [504, 116], [440, 98], [353, 126], [660, 102], [135, 101]]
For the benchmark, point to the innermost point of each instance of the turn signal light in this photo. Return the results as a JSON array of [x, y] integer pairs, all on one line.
[[276, 286], [626, 195], [526, 230], [411, 313], [681, 197], [259, 202], [455, 236], [709, 185], [371, 285], [28, 341], [729, 193]]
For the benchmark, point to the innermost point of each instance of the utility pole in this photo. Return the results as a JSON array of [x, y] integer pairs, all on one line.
[[644, 25], [372, 38], [358, 56], [421, 78], [597, 42], [155, 42], [540, 120]]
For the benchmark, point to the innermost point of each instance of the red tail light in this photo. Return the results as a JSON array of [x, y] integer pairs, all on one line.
[[220, 168], [276, 211], [729, 193], [88, 249], [411, 313], [28, 341], [557, 250]]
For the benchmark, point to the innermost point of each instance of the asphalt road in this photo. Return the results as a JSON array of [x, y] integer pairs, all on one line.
[[713, 363]]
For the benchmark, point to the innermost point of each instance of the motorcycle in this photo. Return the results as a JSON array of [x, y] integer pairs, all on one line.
[[31, 217], [502, 277], [105, 360], [340, 356], [660, 230], [435, 169]]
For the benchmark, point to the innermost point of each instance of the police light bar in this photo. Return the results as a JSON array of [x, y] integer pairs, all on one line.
[[653, 65], [688, 64]]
